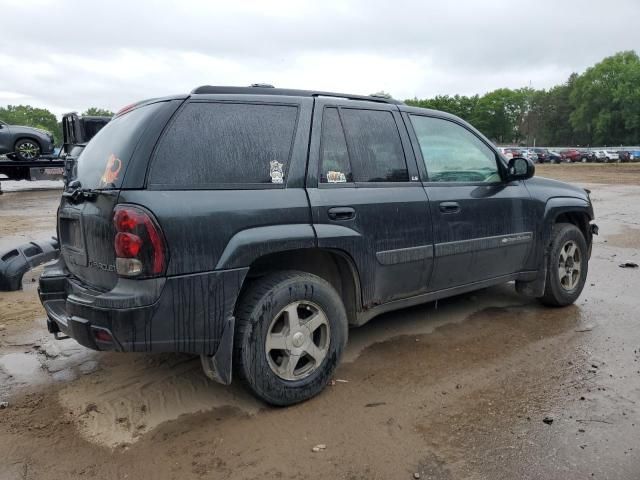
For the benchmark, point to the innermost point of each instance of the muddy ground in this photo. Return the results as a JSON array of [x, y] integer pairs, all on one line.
[[457, 389]]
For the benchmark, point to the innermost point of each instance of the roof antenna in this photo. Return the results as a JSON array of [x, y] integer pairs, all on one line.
[[262, 85]]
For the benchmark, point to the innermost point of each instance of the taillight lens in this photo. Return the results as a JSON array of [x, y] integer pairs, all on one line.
[[139, 243], [128, 245]]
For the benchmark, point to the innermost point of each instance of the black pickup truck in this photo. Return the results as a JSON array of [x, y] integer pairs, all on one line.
[[252, 226]]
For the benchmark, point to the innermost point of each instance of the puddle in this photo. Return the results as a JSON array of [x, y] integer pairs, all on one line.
[[43, 361], [426, 318], [23, 367]]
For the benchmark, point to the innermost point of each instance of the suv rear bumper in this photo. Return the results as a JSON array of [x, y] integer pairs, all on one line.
[[187, 313]]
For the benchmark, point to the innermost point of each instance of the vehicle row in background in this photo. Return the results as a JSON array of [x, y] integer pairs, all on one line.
[[571, 155]]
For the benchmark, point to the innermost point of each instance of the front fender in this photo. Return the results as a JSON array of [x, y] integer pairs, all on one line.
[[557, 206], [554, 207]]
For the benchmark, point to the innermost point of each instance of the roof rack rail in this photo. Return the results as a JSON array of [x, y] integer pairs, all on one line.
[[261, 89]]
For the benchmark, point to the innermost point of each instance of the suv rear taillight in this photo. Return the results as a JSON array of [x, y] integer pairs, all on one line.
[[139, 243]]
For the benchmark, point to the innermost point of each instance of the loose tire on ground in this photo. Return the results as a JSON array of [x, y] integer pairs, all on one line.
[[263, 325], [567, 257]]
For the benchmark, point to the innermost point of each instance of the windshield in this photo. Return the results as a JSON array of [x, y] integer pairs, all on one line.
[[103, 162]]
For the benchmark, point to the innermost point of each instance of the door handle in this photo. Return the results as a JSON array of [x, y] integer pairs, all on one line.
[[341, 213], [449, 207]]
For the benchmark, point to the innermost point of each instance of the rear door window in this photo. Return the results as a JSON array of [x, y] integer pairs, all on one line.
[[334, 156], [216, 144], [375, 148], [103, 162]]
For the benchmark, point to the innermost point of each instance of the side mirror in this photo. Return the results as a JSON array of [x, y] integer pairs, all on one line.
[[521, 168]]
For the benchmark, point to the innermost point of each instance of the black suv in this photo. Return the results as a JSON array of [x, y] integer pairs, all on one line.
[[253, 226], [24, 143]]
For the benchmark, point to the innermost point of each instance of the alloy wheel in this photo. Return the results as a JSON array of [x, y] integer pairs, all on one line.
[[569, 265], [28, 150], [297, 340]]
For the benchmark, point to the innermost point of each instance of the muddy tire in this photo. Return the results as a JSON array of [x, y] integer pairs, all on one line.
[[291, 329], [567, 266]]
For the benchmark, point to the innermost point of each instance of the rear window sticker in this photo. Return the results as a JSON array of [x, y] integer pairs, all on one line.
[[336, 177], [275, 172], [111, 170]]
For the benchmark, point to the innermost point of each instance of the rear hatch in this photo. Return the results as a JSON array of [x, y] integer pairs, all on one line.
[[85, 217]]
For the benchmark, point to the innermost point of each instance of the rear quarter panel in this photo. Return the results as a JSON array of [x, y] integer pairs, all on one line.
[[199, 224]]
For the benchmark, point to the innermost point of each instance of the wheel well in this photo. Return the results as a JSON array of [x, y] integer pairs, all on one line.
[[579, 219], [334, 267], [27, 138]]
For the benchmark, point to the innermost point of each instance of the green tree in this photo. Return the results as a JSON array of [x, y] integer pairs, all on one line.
[[601, 106], [461, 106], [499, 114], [553, 109], [606, 101], [98, 112]]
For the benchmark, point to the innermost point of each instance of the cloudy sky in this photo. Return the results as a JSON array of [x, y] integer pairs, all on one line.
[[72, 54]]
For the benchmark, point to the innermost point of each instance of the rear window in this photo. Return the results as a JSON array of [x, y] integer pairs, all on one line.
[[375, 148], [104, 160], [216, 144]]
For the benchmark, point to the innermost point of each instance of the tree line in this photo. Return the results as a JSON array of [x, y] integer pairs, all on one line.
[[598, 107], [42, 118]]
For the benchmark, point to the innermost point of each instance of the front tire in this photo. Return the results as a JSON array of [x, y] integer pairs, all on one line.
[[291, 329], [567, 266], [27, 150]]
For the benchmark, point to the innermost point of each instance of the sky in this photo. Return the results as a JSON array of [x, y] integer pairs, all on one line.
[[68, 55]]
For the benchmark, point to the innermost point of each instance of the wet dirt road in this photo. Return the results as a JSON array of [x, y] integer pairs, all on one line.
[[460, 389]]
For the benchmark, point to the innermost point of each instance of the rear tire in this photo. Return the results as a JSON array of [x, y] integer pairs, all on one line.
[[27, 150], [280, 319], [567, 266]]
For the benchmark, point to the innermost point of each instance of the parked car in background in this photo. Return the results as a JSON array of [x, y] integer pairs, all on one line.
[[506, 152], [624, 156], [529, 154], [634, 155], [542, 153], [587, 156], [606, 156], [571, 155], [600, 156], [554, 157], [24, 143], [511, 152]]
